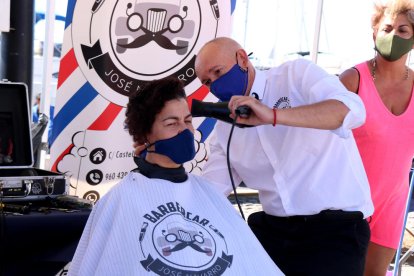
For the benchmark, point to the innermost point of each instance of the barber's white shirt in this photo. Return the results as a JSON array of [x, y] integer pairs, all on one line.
[[298, 171]]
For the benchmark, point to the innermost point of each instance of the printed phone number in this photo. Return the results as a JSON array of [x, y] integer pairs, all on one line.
[[113, 176]]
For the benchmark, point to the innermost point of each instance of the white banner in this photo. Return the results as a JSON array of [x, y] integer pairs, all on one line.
[[110, 49]]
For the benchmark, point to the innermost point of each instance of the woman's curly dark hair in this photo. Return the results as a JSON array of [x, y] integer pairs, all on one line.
[[146, 103]]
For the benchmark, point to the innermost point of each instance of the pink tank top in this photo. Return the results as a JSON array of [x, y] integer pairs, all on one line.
[[385, 141]]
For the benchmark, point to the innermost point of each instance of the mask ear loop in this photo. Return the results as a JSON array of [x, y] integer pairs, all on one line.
[[147, 145], [246, 81], [246, 71]]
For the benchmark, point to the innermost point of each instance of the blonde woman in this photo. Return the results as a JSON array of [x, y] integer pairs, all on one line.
[[386, 140]]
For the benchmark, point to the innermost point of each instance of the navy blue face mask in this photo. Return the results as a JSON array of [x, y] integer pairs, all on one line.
[[179, 148], [233, 83]]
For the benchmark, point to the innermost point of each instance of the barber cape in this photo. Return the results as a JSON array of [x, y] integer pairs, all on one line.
[[148, 226]]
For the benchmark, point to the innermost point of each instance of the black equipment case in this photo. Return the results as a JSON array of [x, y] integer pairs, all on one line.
[[19, 181]]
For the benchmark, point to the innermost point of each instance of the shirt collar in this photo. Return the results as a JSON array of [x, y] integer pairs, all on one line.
[[259, 84]]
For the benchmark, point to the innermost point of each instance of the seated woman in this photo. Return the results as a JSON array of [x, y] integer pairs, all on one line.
[[159, 219]]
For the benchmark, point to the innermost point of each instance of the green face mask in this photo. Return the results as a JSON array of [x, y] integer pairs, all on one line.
[[392, 47]]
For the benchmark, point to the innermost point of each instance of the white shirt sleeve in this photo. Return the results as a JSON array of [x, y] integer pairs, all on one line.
[[216, 170], [355, 117], [321, 86]]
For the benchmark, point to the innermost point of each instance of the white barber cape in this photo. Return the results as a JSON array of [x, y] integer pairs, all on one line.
[[148, 226]]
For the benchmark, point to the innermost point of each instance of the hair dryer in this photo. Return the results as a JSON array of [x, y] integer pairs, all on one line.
[[219, 111]]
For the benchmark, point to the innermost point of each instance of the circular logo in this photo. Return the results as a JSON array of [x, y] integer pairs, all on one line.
[[36, 188], [179, 235], [94, 177], [92, 196], [97, 156], [121, 45], [175, 238]]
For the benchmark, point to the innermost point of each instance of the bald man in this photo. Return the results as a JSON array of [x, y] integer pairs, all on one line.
[[301, 157]]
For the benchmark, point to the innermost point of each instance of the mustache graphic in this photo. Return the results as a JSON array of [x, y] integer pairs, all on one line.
[[149, 36], [183, 245]]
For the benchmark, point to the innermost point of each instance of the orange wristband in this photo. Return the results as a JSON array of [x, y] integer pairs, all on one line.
[[274, 117]]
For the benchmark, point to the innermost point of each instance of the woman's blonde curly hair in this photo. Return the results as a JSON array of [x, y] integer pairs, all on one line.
[[393, 8]]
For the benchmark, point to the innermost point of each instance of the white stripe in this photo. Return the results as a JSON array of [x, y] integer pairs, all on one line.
[[69, 88], [67, 41]]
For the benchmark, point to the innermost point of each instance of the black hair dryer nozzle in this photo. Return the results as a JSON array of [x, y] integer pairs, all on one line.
[[219, 111]]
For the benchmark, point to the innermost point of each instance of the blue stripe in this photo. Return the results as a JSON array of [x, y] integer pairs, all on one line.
[[72, 108], [233, 5], [206, 128], [41, 16], [69, 12]]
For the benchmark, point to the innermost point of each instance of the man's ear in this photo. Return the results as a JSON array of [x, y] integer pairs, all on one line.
[[242, 58]]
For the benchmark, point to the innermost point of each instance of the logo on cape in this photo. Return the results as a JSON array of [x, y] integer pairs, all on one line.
[[121, 45], [182, 246]]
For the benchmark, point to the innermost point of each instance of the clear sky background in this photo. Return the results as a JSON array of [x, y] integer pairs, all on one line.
[[275, 29]]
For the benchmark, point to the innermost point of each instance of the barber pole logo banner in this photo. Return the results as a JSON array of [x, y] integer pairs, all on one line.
[[111, 49]]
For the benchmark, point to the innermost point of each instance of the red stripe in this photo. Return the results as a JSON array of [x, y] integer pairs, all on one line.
[[66, 151], [104, 121], [199, 94], [68, 64]]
